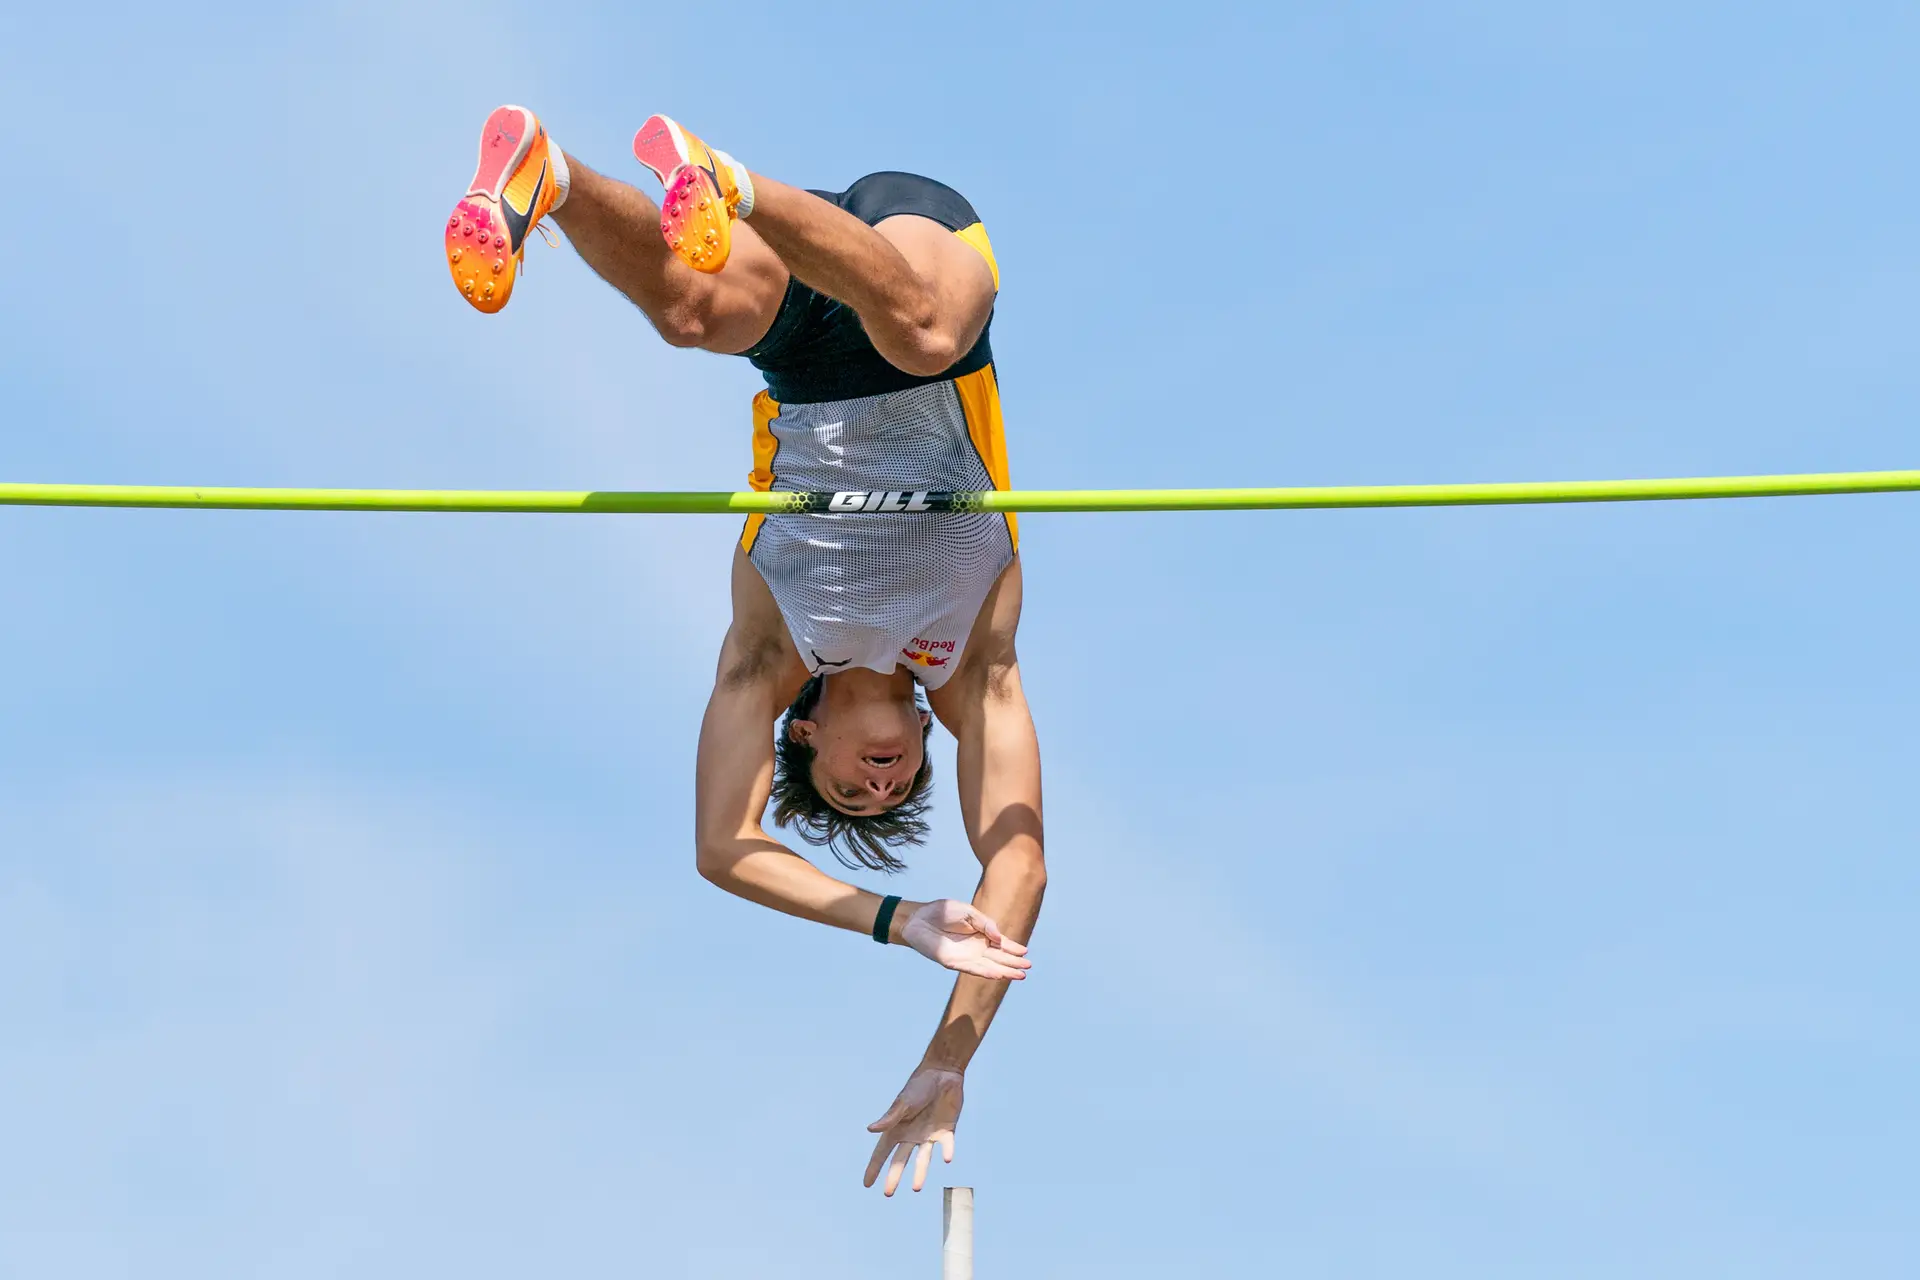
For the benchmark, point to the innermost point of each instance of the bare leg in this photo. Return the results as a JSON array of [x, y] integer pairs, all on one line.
[[922, 293], [616, 229]]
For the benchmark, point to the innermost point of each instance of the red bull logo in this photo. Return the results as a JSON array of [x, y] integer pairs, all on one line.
[[927, 653]]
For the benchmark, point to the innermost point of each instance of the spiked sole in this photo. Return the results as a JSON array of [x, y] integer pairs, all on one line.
[[480, 255], [694, 217], [694, 220]]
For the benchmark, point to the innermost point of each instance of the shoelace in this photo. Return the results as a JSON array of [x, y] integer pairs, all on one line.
[[546, 233]]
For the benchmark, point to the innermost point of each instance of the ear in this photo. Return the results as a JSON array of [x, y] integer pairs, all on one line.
[[926, 717], [802, 731]]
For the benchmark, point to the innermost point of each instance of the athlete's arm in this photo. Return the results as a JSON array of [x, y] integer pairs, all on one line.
[[758, 676], [998, 769], [999, 775]]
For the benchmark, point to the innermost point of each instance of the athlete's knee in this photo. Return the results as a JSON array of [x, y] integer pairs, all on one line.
[[927, 357], [683, 326], [923, 343], [938, 318], [724, 314], [929, 333]]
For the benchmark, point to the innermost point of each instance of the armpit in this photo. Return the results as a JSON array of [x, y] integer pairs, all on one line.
[[751, 659]]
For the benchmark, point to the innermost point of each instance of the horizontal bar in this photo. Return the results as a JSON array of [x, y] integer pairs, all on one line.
[[905, 501], [541, 501], [1456, 495]]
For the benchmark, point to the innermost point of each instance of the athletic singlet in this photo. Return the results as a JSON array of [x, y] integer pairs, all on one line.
[[877, 591]]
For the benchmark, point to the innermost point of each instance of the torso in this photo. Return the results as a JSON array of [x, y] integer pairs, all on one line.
[[884, 590]]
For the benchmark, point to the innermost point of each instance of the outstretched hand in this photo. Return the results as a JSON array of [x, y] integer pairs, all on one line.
[[953, 934], [924, 1113]]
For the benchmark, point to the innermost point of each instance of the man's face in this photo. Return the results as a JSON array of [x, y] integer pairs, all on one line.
[[866, 755]]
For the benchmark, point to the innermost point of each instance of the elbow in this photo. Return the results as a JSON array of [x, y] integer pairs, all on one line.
[[1036, 878], [1024, 869], [715, 865]]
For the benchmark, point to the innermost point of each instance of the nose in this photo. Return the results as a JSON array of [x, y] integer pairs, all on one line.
[[880, 787]]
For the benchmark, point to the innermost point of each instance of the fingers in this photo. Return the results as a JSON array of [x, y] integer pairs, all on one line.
[[892, 1117], [988, 967], [984, 924], [897, 1167], [914, 1143], [880, 1150]]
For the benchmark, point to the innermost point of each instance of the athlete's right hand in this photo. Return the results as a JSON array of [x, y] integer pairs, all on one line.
[[951, 933]]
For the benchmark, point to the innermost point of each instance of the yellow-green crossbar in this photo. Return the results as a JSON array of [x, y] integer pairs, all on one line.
[[565, 502]]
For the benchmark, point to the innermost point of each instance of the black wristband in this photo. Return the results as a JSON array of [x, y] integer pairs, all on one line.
[[883, 922]]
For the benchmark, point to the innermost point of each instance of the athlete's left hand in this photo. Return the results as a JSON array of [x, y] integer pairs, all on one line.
[[958, 936], [925, 1113]]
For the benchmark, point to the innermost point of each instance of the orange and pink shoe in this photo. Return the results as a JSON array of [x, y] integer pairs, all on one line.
[[521, 176], [706, 190]]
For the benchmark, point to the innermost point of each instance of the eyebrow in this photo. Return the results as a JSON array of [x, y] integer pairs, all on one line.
[[839, 805]]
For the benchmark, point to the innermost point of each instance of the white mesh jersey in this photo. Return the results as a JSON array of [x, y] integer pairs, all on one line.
[[877, 591]]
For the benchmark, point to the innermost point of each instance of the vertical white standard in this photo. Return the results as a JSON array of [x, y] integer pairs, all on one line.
[[956, 1234]]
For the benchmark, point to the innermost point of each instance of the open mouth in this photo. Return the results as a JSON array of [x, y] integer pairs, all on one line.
[[881, 762]]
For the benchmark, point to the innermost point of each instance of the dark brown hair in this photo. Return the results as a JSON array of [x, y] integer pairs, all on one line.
[[857, 841]]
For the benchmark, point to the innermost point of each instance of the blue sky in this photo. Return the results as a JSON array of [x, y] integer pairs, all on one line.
[[1451, 893]]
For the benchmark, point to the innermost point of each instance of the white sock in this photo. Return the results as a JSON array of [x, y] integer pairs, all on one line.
[[561, 178], [741, 179]]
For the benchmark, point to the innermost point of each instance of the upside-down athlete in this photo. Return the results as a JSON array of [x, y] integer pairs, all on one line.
[[867, 311]]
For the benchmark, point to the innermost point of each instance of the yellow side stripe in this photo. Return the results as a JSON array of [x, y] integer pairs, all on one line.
[[976, 235]]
